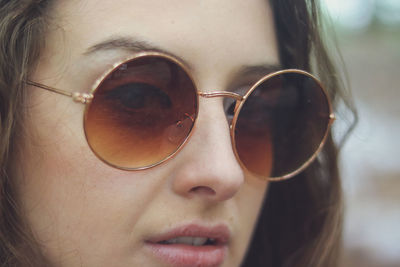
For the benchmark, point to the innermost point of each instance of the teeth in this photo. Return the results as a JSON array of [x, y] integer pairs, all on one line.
[[199, 241], [187, 240]]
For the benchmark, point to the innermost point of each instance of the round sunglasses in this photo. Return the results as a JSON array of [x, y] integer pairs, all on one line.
[[141, 112]]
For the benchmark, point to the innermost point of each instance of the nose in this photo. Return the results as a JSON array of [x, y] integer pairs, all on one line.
[[208, 168]]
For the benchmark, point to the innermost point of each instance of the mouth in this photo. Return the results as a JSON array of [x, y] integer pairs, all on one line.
[[191, 245], [190, 241]]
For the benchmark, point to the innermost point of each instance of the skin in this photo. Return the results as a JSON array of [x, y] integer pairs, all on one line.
[[86, 213]]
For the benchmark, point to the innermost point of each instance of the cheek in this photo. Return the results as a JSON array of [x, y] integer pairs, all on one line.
[[72, 200], [249, 202], [83, 211]]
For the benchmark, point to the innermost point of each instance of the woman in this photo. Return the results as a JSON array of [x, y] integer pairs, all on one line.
[[195, 198]]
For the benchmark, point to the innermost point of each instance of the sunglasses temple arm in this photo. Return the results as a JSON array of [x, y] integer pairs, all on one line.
[[77, 97]]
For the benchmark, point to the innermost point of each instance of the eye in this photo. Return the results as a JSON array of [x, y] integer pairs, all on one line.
[[229, 107], [137, 96], [230, 103]]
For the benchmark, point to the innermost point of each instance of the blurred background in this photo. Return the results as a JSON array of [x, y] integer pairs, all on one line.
[[368, 36]]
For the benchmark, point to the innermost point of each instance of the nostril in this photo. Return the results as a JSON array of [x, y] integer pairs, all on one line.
[[203, 190]]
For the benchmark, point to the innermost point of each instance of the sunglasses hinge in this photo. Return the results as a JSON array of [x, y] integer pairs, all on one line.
[[83, 98]]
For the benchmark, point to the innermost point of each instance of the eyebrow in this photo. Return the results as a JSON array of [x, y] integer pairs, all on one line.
[[136, 45], [130, 44], [263, 69]]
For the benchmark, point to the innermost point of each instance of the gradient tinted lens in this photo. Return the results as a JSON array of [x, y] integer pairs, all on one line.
[[282, 124], [141, 113]]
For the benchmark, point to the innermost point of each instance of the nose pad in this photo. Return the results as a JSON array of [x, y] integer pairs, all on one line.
[[208, 167]]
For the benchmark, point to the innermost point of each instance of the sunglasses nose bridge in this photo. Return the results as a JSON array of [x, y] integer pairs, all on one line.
[[221, 94]]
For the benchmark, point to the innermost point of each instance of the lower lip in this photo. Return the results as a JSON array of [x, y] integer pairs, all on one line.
[[179, 255]]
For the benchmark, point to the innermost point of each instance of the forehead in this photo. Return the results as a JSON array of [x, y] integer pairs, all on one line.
[[208, 33]]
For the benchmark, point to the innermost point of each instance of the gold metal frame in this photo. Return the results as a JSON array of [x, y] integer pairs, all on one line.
[[86, 98], [240, 104]]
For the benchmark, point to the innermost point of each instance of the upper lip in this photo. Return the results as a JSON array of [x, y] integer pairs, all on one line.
[[219, 233]]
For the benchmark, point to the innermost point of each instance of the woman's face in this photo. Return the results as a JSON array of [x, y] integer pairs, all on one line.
[[86, 213]]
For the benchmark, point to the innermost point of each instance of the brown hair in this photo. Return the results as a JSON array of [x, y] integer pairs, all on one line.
[[300, 224], [301, 221], [22, 26]]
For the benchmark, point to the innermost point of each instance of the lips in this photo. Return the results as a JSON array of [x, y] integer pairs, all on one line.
[[191, 241], [191, 245]]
